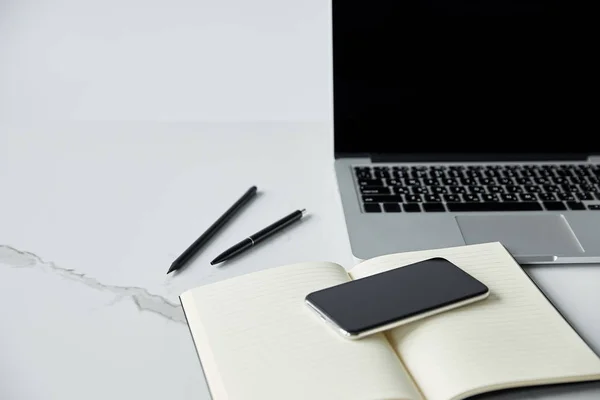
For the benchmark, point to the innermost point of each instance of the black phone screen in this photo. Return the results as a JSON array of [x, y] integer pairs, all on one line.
[[391, 296]]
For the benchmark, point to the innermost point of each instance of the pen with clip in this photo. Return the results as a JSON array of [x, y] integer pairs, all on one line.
[[259, 236]]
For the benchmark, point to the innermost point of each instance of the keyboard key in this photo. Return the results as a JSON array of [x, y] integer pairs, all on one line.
[[551, 188], [458, 189], [401, 190], [527, 197], [570, 188], [514, 189], [495, 189], [471, 197], [374, 190], [486, 181], [587, 188], [372, 208], [509, 197], [412, 182], [413, 198], [363, 172], [594, 206], [566, 196], [382, 198], [433, 198], [420, 190], [370, 182], [575, 180], [533, 188], [449, 181], [431, 182], [490, 197], [526, 173], [451, 198], [575, 205], [508, 206], [382, 174], [434, 207], [411, 207], [474, 174], [476, 189], [585, 196], [439, 190], [391, 207], [554, 205], [547, 196]]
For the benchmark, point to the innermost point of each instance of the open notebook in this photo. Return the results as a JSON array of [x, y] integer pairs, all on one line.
[[257, 340]]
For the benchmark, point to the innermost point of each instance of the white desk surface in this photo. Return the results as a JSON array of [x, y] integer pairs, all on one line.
[[94, 213]]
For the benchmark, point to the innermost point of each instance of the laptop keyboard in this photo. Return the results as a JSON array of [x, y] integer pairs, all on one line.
[[459, 188]]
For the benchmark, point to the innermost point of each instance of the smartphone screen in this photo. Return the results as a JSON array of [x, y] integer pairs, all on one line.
[[394, 297]]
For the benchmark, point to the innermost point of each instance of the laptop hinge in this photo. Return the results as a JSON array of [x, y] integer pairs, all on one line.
[[477, 157], [594, 159]]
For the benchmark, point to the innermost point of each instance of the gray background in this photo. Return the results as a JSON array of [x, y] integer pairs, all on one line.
[[165, 60]]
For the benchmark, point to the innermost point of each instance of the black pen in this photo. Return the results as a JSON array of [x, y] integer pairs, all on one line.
[[259, 236], [212, 230]]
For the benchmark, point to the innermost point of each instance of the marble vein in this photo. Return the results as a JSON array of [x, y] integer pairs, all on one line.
[[142, 298]]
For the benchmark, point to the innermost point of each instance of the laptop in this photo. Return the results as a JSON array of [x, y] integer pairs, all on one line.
[[461, 122]]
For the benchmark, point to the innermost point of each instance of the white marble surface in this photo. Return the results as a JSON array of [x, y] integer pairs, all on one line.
[[169, 60], [92, 214]]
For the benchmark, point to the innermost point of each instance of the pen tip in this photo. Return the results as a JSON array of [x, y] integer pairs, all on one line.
[[172, 268], [303, 211], [216, 260]]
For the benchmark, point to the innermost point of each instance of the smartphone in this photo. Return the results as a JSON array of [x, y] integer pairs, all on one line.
[[402, 295]]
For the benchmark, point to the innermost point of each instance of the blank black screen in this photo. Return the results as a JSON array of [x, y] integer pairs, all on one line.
[[390, 296], [460, 76]]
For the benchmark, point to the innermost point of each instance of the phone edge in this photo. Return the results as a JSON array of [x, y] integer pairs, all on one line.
[[398, 323]]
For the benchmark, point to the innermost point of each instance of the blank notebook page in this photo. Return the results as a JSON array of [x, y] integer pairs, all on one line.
[[513, 338], [258, 340]]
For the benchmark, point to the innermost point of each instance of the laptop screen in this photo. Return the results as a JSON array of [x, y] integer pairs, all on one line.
[[460, 76]]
